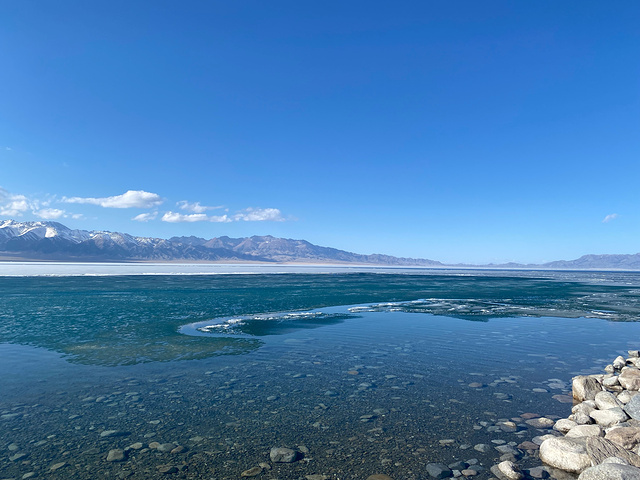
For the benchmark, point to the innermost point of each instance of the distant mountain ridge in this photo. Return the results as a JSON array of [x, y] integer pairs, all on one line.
[[54, 241]]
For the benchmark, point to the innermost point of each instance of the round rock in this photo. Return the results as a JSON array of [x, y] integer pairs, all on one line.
[[611, 471], [510, 471], [282, 455], [565, 454], [115, 455]]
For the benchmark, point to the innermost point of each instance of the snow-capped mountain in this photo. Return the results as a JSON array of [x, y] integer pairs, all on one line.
[[54, 241]]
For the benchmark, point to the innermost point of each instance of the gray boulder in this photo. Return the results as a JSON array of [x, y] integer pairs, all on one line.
[[606, 400], [509, 470], [629, 378], [619, 362], [565, 453], [599, 449], [627, 437], [564, 425], [585, 387], [633, 407], [585, 431], [611, 471], [609, 417]]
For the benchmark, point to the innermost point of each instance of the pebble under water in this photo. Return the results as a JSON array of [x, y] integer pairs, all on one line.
[[358, 374]]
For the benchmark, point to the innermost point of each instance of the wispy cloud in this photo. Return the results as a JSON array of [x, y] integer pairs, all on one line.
[[259, 215], [195, 207], [175, 217], [611, 217], [49, 213], [129, 199], [145, 217]]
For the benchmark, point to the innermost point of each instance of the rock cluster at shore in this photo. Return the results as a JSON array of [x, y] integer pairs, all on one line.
[[602, 435]]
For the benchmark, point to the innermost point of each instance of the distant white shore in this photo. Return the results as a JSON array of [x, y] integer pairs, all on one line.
[[39, 269], [99, 269]]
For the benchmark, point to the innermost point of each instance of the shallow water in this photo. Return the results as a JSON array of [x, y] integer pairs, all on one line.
[[366, 373]]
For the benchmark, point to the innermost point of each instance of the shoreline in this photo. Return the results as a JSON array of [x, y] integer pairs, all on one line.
[[599, 440]]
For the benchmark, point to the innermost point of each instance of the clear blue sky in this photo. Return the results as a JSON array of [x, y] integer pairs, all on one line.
[[460, 131]]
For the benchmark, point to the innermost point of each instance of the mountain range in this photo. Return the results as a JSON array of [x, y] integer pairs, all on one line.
[[55, 242]]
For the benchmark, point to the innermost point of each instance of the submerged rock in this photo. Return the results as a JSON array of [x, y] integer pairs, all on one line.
[[541, 422], [439, 471], [282, 455], [252, 472], [116, 455]]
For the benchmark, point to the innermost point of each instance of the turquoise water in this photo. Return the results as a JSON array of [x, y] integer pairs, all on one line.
[[361, 372]]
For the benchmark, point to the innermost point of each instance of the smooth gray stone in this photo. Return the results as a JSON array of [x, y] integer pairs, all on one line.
[[115, 455], [609, 417], [438, 470], [458, 466], [585, 387], [166, 447], [611, 471], [629, 378], [510, 470], [537, 472], [605, 400], [585, 431], [564, 425], [282, 455], [565, 454], [633, 407], [619, 362]]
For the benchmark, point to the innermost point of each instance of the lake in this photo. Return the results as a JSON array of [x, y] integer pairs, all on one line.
[[199, 373]]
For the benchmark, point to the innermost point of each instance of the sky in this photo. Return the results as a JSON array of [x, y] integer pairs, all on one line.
[[458, 131]]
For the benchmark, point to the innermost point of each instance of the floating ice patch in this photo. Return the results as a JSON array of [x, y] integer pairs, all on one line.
[[263, 324]]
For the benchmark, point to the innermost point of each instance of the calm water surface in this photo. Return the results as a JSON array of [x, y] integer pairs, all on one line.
[[362, 373]]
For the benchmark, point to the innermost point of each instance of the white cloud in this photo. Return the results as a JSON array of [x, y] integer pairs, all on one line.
[[194, 207], [610, 217], [259, 215], [248, 215], [49, 213], [129, 199], [174, 217], [15, 205], [145, 217]]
